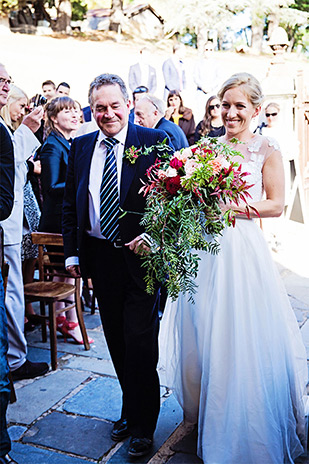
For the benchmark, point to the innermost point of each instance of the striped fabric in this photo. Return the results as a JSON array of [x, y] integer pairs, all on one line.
[[109, 201]]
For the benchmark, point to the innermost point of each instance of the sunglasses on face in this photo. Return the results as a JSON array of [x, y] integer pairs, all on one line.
[[212, 107], [270, 114], [141, 89]]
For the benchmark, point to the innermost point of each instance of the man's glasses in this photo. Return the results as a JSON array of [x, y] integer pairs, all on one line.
[[212, 107], [270, 114], [5, 81]]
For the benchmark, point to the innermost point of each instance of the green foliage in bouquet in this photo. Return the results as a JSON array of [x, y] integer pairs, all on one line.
[[183, 211]]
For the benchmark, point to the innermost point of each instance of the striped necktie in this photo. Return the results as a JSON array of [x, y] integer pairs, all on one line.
[[109, 201]]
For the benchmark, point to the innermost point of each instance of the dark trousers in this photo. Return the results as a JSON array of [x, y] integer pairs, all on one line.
[[130, 323], [5, 442]]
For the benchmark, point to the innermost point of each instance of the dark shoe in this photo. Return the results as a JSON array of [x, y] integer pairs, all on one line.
[[30, 370], [29, 327], [139, 447], [120, 430], [7, 460]]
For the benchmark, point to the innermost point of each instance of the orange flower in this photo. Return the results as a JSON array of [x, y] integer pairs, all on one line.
[[216, 165]]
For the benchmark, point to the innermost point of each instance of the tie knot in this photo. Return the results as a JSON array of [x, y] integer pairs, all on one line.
[[110, 142]]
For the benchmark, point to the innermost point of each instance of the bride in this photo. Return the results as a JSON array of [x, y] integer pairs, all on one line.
[[235, 358]]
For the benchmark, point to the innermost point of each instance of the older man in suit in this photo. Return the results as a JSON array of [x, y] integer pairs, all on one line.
[[101, 183], [6, 205], [24, 145], [149, 112]]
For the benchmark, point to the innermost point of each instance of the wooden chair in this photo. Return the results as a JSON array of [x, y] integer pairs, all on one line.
[[48, 292], [5, 272]]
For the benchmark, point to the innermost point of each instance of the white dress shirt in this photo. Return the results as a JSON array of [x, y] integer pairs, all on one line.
[[95, 179], [25, 145]]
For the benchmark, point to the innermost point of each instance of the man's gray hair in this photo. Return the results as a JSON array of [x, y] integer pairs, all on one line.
[[156, 102], [107, 79]]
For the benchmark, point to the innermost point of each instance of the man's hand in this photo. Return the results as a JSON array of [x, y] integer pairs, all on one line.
[[36, 165], [74, 270], [33, 119], [138, 246]]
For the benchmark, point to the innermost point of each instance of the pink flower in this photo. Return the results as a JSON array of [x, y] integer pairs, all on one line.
[[176, 163], [190, 166], [161, 174], [184, 154]]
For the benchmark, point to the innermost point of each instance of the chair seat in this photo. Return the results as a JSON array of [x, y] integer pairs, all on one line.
[[49, 290]]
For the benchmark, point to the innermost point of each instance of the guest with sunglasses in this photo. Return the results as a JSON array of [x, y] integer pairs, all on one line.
[[138, 93], [211, 124]]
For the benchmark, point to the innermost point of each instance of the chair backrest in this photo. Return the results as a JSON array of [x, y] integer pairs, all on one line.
[[51, 255]]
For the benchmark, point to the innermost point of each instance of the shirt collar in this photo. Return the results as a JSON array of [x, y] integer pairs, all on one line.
[[121, 136]]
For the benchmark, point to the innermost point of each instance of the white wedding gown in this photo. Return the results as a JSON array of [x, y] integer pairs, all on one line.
[[235, 359]]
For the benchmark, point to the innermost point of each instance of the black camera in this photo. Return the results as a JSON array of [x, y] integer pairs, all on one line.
[[39, 100]]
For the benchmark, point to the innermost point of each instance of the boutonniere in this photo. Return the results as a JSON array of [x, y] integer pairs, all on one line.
[[133, 153]]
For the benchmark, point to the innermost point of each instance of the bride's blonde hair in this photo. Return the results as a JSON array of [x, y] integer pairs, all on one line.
[[251, 86]]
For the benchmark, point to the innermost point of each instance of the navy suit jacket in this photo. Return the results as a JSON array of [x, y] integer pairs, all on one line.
[[75, 205], [7, 173], [54, 161], [176, 134]]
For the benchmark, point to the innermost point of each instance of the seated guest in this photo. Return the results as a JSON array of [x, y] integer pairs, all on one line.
[[149, 112], [211, 124], [180, 115], [62, 119]]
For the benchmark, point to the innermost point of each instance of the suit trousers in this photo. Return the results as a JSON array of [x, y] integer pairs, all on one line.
[[15, 307], [5, 442], [131, 324]]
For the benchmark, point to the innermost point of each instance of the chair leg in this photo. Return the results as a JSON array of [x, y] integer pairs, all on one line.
[[43, 325], [53, 336], [80, 315]]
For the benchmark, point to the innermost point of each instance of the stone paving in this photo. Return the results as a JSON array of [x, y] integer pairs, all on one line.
[[66, 416]]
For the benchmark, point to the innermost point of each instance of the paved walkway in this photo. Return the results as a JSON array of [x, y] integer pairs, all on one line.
[[66, 416]]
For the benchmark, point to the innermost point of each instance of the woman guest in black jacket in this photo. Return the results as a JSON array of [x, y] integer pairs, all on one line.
[[180, 115], [62, 120], [211, 124]]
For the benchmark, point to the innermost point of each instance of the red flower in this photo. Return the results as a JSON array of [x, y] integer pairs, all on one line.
[[176, 163], [172, 184]]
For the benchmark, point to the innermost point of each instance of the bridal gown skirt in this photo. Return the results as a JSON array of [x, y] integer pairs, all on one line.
[[235, 359]]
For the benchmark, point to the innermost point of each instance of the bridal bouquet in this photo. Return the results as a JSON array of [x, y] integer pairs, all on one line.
[[183, 211]]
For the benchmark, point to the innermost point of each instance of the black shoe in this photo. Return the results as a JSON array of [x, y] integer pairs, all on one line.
[[120, 430], [7, 460], [139, 447], [30, 370]]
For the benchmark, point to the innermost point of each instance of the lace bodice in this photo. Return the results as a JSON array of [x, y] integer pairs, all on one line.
[[255, 153]]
